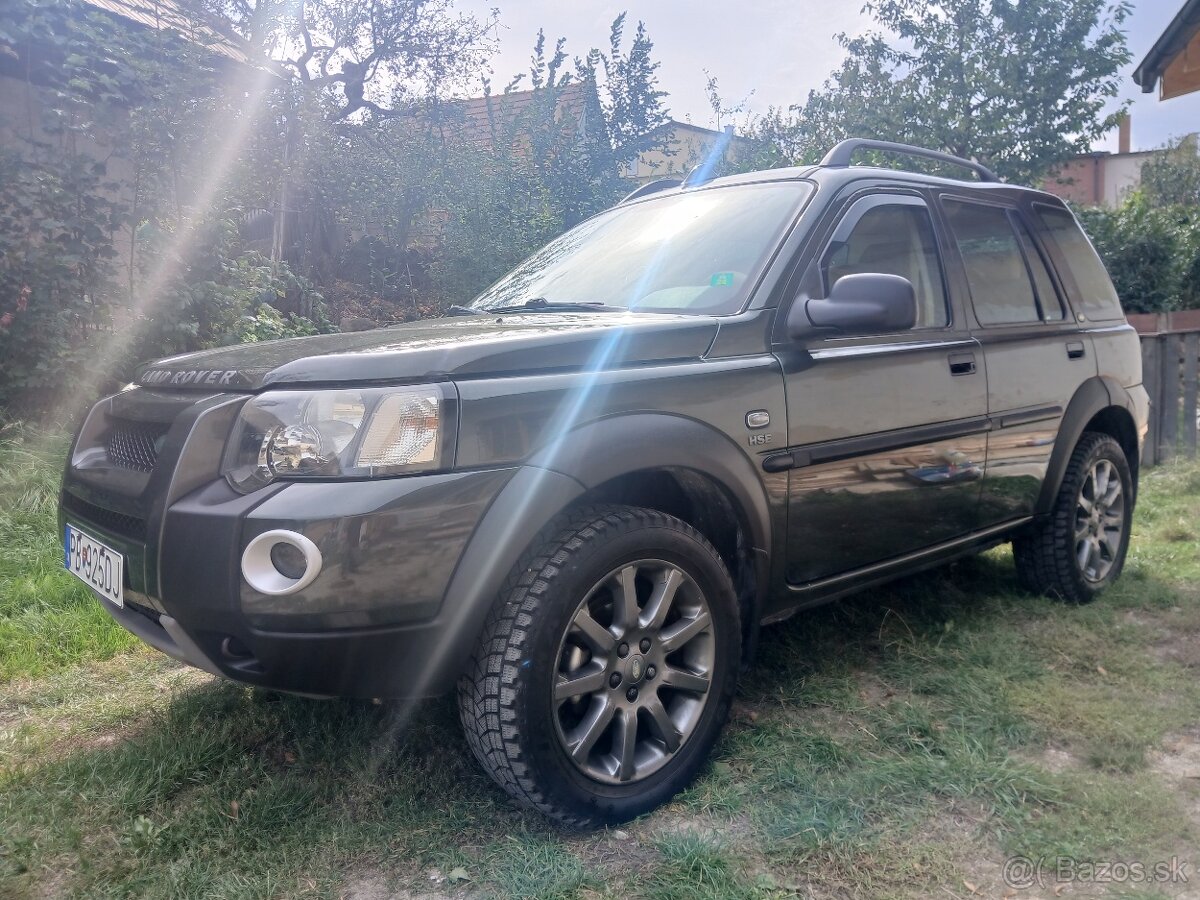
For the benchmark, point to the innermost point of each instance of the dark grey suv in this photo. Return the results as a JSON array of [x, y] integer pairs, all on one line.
[[579, 498]]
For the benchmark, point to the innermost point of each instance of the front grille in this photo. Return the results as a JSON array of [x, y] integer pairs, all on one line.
[[134, 445], [118, 523]]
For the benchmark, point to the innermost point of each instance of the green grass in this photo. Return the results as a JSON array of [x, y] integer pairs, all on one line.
[[47, 619], [901, 743]]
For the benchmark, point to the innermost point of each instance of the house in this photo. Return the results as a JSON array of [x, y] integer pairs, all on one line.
[[1102, 178], [513, 117], [1174, 60], [682, 147]]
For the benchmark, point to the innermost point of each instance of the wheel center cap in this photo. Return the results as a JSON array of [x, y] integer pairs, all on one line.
[[635, 669]]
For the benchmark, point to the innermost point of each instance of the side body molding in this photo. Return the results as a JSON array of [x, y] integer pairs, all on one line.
[[1094, 396]]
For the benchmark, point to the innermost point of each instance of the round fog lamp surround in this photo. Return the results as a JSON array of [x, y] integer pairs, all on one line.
[[271, 551]]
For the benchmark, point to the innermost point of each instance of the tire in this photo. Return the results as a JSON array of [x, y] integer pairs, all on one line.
[[560, 623], [1079, 548]]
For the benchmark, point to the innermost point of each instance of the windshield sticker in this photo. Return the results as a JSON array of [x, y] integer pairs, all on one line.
[[721, 279]]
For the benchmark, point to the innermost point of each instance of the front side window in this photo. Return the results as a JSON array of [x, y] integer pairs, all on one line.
[[697, 252], [893, 239], [1097, 296], [1001, 288]]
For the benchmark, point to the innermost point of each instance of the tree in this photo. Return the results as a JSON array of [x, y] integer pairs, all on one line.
[[373, 55], [1171, 177], [1018, 85], [633, 102]]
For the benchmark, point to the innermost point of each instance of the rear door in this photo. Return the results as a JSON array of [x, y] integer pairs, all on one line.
[[886, 432], [1035, 355]]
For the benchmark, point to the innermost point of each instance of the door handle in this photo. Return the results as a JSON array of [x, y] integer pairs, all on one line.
[[962, 363], [1075, 350]]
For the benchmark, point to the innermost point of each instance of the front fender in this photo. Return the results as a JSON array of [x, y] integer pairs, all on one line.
[[608, 448], [558, 475]]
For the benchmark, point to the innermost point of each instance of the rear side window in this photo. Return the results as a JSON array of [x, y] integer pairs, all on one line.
[[893, 239], [1097, 296], [1001, 288]]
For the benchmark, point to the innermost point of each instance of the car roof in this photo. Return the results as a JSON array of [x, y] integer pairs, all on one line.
[[838, 176]]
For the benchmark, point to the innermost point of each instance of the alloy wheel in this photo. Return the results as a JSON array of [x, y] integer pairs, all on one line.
[[634, 671], [1099, 521]]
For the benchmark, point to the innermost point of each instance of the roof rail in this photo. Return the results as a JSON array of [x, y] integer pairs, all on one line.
[[840, 155], [651, 187]]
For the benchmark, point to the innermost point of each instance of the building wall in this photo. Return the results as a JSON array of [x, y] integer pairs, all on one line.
[[1098, 179], [687, 147], [22, 110]]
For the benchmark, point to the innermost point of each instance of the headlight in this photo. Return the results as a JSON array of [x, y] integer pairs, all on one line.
[[336, 434]]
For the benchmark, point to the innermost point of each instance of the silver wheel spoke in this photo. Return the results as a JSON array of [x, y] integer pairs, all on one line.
[[1084, 554], [661, 599], [683, 631], [684, 681], [599, 638], [664, 728], [575, 684], [1113, 494], [625, 605], [625, 744], [1085, 504], [597, 721], [1100, 481]]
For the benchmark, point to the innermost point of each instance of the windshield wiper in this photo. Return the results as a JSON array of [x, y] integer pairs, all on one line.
[[540, 304], [457, 310]]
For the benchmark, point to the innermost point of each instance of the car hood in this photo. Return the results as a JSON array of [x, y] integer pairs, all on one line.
[[438, 349]]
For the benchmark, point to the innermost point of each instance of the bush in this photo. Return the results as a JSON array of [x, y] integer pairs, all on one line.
[[1152, 252]]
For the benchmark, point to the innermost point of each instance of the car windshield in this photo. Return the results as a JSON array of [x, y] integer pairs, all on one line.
[[697, 253]]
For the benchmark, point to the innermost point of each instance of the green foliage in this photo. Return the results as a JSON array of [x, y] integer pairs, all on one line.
[[502, 204], [633, 103], [55, 255], [1171, 177], [1020, 86], [1151, 252], [222, 294]]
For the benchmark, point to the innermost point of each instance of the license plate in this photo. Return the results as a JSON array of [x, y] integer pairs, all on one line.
[[97, 565]]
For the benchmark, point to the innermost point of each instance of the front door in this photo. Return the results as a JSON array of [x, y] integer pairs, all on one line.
[[887, 433]]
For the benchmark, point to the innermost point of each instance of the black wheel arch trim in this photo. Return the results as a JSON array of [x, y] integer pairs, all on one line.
[[558, 476], [1093, 397]]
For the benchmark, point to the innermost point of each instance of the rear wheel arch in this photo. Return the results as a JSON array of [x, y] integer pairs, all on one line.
[[1099, 405]]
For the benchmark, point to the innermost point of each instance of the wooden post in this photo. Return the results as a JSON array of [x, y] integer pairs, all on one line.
[[1168, 427], [1150, 380], [1191, 405]]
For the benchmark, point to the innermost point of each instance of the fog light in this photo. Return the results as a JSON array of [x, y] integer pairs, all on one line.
[[288, 560], [280, 562]]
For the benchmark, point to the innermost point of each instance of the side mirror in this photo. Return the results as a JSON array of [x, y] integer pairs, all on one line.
[[857, 304]]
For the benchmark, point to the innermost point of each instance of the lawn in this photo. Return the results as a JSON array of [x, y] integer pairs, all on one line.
[[902, 743]]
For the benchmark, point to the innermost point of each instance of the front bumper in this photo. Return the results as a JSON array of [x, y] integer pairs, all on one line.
[[367, 626]]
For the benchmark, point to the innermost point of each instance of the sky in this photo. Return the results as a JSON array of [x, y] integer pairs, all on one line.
[[772, 52]]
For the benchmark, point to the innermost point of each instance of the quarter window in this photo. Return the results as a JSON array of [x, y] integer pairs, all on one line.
[[998, 273], [1097, 296], [893, 239]]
